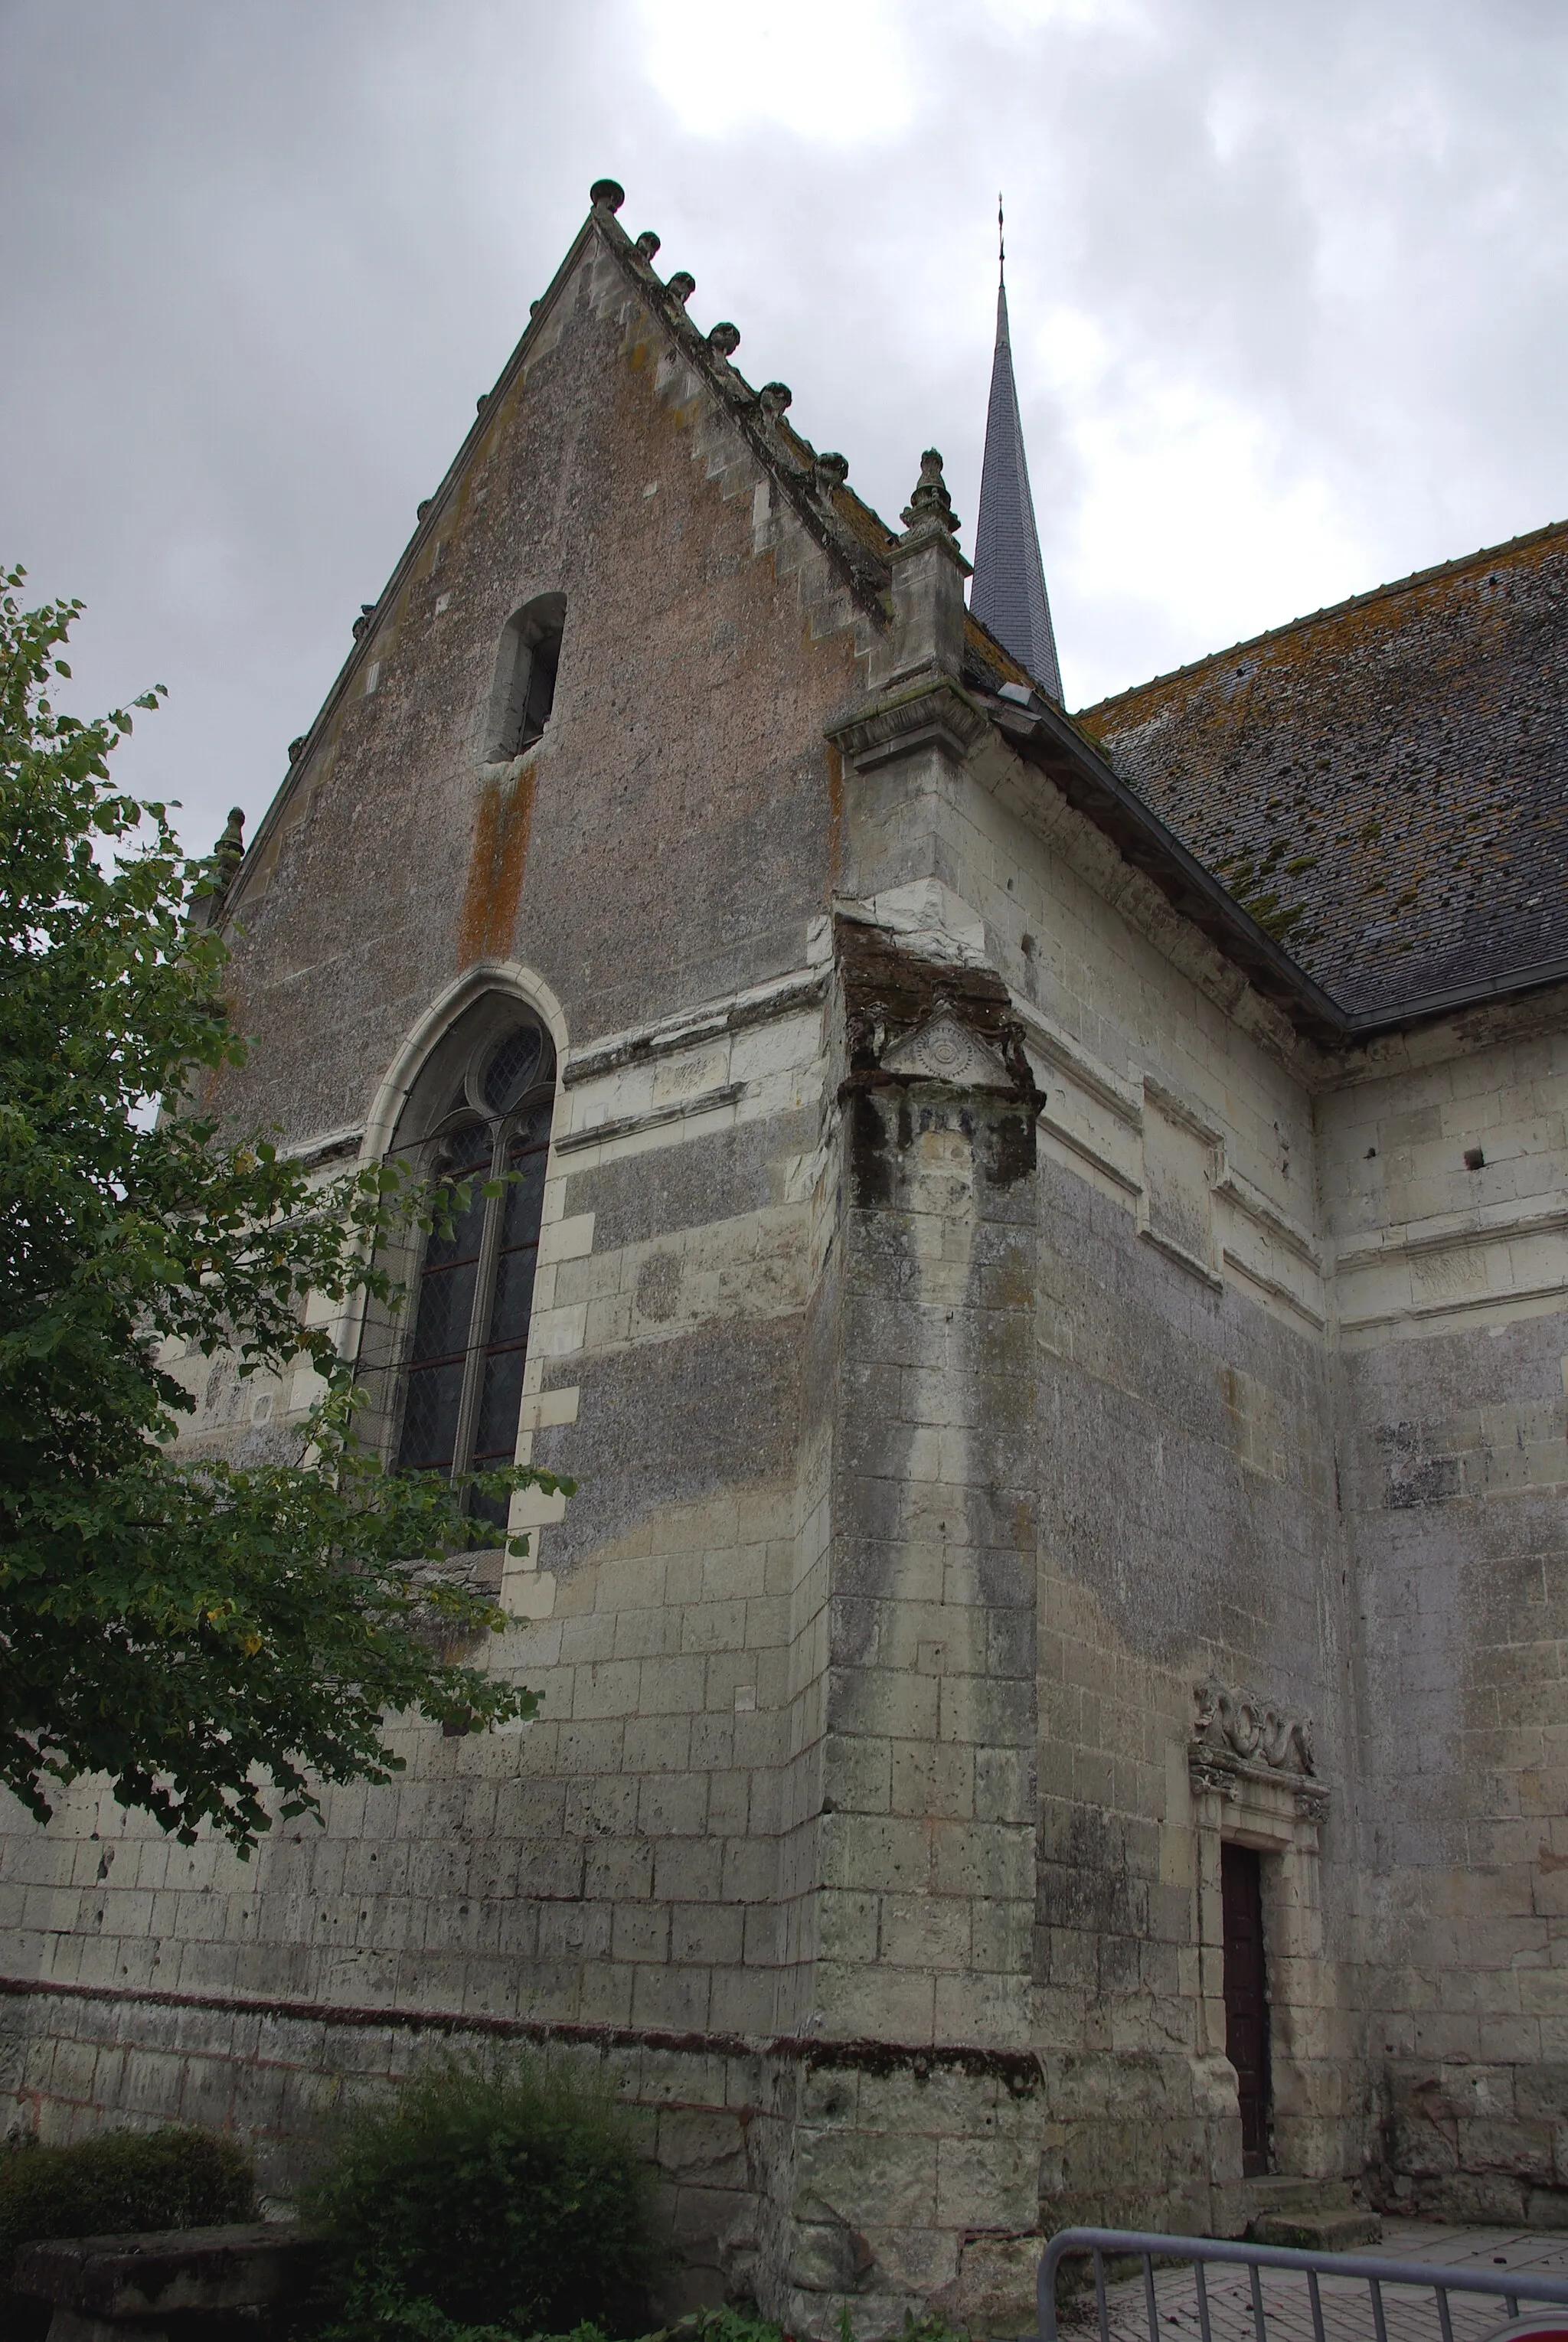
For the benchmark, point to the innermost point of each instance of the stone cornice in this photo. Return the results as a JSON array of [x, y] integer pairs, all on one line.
[[784, 996], [1216, 1773], [935, 713]]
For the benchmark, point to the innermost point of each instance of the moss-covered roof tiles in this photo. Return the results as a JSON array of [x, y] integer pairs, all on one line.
[[1383, 784]]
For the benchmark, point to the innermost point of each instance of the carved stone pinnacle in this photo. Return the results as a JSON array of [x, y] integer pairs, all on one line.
[[230, 850], [931, 500]]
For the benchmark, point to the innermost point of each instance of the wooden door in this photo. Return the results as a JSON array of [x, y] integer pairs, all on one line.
[[1246, 1998]]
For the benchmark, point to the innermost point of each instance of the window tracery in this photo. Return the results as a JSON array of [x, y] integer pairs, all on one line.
[[472, 1300]]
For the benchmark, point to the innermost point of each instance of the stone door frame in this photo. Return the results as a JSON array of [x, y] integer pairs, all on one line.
[[1280, 1813]]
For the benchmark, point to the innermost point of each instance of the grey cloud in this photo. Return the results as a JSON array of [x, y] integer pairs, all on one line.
[[262, 261]]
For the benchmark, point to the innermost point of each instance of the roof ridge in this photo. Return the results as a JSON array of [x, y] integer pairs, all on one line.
[[1336, 609], [811, 492]]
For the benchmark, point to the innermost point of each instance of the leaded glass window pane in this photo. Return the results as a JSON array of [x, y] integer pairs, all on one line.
[[513, 1297], [496, 1434], [445, 1310], [430, 1417], [511, 1068], [470, 1336]]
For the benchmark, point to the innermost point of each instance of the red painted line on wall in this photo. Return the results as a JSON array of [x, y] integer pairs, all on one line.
[[1021, 2070]]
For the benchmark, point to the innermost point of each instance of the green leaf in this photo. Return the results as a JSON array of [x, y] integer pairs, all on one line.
[[215, 1639]]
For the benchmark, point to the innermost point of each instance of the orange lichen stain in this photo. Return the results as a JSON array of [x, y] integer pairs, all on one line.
[[496, 868], [868, 526], [979, 639]]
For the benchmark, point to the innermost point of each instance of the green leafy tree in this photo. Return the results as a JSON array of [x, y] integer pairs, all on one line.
[[199, 1632]]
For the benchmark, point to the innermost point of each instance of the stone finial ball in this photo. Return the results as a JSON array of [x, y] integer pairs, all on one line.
[[725, 337], [775, 396], [680, 286], [648, 243], [608, 193]]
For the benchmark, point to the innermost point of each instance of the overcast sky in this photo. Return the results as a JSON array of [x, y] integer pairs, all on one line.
[[1287, 281]]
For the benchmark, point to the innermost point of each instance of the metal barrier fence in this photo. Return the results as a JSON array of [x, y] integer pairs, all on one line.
[[1510, 2287]]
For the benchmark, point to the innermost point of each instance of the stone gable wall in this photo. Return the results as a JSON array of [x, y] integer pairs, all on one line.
[[669, 837]]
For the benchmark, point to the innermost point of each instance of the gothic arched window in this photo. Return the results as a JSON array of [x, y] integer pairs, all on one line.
[[463, 1372]]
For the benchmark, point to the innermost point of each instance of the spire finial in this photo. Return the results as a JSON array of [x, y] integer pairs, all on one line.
[[1009, 591]]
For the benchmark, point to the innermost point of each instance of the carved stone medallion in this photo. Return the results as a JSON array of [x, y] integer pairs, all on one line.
[[944, 1050]]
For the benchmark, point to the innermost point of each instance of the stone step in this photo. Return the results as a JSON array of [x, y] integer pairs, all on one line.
[[1307, 2232], [1280, 2192], [1311, 2216]]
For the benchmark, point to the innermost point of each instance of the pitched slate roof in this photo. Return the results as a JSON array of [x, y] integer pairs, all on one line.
[[1384, 785], [1008, 595]]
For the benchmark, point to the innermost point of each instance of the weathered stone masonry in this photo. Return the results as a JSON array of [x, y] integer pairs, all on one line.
[[1052, 1393]]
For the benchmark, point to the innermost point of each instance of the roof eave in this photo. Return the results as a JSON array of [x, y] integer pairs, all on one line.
[[1539, 976], [1051, 741]]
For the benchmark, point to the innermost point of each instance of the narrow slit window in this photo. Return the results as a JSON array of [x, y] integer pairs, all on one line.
[[463, 1382], [539, 698], [527, 670]]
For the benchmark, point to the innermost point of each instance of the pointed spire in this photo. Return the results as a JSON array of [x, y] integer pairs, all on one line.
[[1008, 595]]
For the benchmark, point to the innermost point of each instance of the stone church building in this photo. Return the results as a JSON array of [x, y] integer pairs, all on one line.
[[1044, 1241]]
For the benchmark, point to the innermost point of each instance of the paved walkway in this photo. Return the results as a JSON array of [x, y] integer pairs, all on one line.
[[1347, 2314]]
